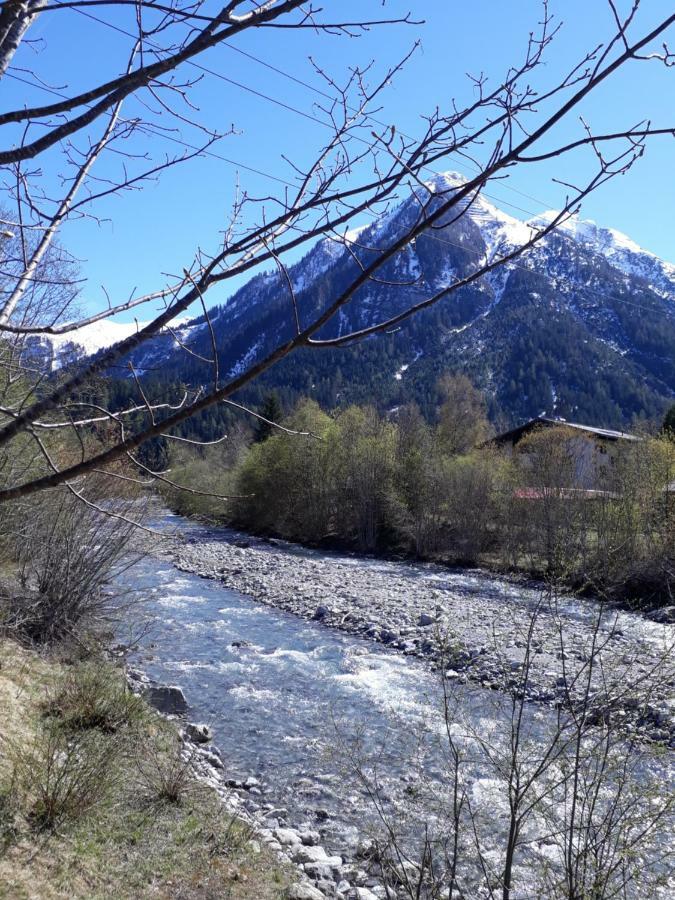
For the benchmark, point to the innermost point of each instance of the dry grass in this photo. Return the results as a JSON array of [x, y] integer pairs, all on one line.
[[87, 698], [118, 845]]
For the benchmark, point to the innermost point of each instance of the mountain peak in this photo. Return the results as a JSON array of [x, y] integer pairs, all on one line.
[[445, 181]]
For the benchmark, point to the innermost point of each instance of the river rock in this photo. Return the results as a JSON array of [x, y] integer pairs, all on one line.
[[665, 615], [304, 892], [363, 893], [137, 680], [198, 733], [286, 836], [309, 838], [212, 759], [320, 613], [251, 783], [366, 849], [303, 854], [425, 620], [168, 699], [319, 871]]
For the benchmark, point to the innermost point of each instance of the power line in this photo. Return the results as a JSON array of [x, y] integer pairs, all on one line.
[[473, 212], [290, 108], [376, 121], [146, 129]]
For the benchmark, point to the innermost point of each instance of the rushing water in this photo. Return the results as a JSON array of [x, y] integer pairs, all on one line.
[[286, 697]]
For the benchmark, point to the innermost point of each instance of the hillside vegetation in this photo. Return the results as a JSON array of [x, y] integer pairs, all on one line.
[[400, 485], [95, 802]]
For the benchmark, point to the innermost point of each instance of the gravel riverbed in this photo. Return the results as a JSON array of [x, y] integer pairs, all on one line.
[[475, 623]]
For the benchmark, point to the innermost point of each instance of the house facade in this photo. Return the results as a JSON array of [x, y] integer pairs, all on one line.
[[592, 449]]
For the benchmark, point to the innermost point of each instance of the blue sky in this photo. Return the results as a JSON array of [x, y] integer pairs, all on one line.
[[157, 230]]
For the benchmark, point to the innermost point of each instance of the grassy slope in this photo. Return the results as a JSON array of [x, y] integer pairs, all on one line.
[[124, 846]]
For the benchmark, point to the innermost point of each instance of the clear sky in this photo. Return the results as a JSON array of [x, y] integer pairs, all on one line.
[[157, 230]]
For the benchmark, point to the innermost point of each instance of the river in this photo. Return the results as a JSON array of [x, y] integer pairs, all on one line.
[[297, 705]]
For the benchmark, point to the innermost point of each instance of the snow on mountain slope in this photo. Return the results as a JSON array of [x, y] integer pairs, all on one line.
[[94, 337], [583, 321], [499, 229], [618, 249], [89, 339]]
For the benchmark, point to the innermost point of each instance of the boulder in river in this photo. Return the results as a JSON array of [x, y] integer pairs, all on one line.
[[168, 699], [198, 733], [320, 613]]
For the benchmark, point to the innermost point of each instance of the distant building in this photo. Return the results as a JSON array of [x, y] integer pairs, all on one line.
[[603, 436], [593, 449]]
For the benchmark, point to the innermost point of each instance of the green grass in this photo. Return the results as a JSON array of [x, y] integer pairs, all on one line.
[[125, 837]]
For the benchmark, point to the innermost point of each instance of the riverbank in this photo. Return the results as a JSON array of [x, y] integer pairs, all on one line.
[[301, 713], [482, 629], [97, 806]]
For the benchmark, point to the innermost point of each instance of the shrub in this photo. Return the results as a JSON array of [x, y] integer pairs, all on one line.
[[165, 770], [94, 696], [8, 810], [68, 555], [62, 776]]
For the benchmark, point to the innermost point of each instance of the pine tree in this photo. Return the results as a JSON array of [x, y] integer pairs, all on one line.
[[271, 411], [669, 421]]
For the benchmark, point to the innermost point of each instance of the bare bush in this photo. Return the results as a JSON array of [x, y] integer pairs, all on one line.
[[631, 545], [92, 696], [8, 814], [571, 801], [60, 776], [166, 770], [69, 553]]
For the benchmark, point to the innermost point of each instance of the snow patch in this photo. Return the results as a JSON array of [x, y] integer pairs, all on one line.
[[246, 360], [94, 337], [398, 375]]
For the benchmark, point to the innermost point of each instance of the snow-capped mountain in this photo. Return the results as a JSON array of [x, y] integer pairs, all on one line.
[[59, 350], [582, 325], [619, 250], [91, 338]]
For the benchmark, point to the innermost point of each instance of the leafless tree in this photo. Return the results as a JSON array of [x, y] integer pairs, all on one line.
[[362, 166], [511, 800]]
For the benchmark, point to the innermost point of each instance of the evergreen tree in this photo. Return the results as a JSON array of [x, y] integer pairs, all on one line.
[[669, 421], [271, 411]]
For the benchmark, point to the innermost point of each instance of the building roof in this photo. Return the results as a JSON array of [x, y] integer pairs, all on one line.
[[566, 493], [606, 434]]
